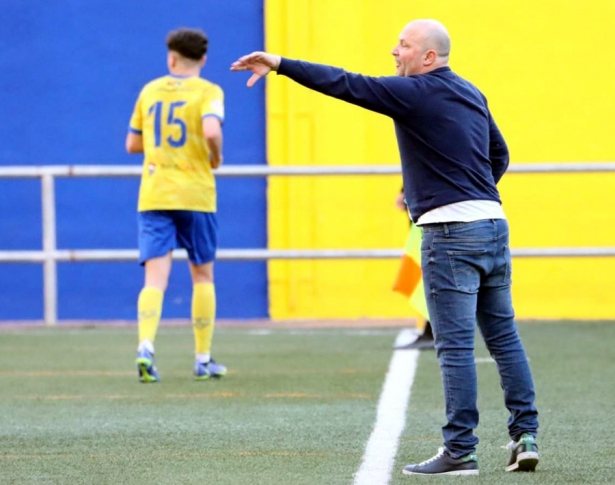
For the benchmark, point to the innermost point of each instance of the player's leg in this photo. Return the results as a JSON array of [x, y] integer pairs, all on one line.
[[156, 240], [201, 242], [149, 305], [203, 321], [203, 309]]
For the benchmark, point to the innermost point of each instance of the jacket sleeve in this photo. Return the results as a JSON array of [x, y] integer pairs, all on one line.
[[387, 95], [498, 151]]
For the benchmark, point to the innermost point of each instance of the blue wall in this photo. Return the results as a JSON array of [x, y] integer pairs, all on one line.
[[71, 72]]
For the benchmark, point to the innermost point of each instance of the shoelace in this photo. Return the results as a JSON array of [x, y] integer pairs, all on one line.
[[433, 458], [509, 446]]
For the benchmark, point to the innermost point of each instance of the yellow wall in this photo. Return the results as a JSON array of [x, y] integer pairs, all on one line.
[[548, 70]]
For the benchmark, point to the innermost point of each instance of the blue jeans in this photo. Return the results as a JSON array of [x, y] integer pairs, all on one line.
[[467, 277]]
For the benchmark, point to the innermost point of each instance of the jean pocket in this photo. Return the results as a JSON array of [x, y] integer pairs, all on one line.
[[507, 266], [465, 266]]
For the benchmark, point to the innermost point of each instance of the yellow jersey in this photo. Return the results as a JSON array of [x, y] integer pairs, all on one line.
[[177, 173]]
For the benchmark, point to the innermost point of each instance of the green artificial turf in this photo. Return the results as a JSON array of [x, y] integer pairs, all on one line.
[[573, 365], [297, 407]]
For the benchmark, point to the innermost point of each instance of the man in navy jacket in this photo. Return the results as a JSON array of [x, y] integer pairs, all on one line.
[[452, 155]]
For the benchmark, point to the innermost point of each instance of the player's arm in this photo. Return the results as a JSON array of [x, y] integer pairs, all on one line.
[[134, 139], [134, 142], [212, 131]]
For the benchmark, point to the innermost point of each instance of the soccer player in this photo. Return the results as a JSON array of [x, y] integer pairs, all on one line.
[[177, 124]]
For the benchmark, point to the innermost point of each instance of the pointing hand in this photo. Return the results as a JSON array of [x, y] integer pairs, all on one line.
[[259, 63]]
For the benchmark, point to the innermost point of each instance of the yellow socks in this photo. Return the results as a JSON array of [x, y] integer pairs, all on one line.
[[203, 317], [150, 308]]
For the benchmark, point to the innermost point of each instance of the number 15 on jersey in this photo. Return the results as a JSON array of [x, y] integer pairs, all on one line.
[[156, 110]]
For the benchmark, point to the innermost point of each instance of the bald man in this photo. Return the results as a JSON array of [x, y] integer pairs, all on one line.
[[452, 155]]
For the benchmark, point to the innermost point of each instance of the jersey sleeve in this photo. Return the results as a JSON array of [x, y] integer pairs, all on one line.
[[136, 120], [213, 103]]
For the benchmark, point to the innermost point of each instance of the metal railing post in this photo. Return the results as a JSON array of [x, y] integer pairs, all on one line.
[[50, 276]]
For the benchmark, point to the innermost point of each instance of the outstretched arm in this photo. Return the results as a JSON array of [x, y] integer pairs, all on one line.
[[392, 96]]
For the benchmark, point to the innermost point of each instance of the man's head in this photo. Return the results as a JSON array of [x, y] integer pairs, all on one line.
[[424, 45], [187, 49]]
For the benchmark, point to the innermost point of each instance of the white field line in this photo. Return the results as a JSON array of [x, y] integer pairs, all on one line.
[[381, 448]]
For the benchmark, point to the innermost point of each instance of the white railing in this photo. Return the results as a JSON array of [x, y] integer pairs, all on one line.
[[50, 255]]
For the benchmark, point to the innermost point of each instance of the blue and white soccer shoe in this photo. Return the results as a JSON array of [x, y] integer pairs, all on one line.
[[147, 367], [210, 369]]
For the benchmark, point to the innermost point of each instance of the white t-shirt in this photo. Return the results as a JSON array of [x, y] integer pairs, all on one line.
[[466, 211]]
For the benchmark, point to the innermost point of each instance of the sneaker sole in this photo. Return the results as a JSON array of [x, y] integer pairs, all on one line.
[[526, 462], [209, 376], [455, 472], [145, 377]]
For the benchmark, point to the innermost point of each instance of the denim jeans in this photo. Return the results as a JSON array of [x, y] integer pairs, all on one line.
[[467, 278]]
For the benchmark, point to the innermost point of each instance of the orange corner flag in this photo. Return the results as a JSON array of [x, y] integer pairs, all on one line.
[[409, 281]]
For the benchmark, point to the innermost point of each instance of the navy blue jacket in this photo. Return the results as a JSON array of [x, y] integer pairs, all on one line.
[[451, 149]]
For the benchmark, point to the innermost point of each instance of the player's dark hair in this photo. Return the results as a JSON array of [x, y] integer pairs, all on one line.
[[189, 43]]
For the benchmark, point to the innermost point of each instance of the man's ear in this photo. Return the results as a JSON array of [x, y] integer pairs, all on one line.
[[172, 59], [430, 57], [203, 60]]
